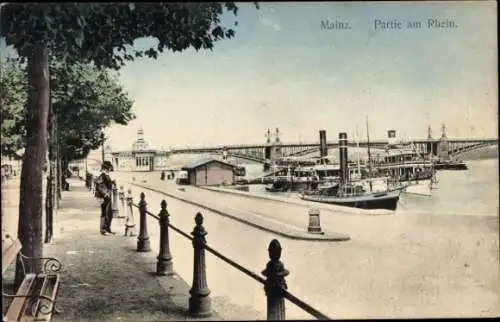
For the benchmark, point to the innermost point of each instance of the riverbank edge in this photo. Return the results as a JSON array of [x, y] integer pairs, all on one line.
[[340, 209], [326, 237]]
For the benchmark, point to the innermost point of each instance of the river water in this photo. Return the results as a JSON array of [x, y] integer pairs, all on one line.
[[471, 192], [394, 266]]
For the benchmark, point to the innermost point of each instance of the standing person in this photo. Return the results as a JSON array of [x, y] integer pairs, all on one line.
[[104, 188]]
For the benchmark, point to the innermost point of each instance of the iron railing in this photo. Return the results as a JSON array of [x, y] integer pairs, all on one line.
[[275, 272]]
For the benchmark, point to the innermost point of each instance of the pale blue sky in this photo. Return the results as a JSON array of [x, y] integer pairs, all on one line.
[[282, 70]]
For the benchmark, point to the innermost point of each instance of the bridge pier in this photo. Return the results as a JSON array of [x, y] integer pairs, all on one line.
[[443, 145]]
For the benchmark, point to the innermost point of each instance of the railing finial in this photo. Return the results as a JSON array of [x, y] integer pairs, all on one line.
[[274, 250], [275, 273], [198, 219]]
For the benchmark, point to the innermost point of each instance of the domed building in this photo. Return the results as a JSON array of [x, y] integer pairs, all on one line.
[[140, 158]]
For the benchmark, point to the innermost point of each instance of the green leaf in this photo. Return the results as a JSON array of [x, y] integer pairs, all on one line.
[[79, 39], [94, 31]]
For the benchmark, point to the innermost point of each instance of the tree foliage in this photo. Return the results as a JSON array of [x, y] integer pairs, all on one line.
[[85, 101], [99, 33], [104, 33], [13, 96], [94, 98]]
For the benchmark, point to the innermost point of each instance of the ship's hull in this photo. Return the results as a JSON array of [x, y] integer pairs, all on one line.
[[381, 200], [451, 166], [278, 187]]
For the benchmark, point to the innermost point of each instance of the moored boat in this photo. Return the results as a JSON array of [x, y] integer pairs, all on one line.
[[354, 194], [278, 186], [451, 165], [350, 195], [405, 165]]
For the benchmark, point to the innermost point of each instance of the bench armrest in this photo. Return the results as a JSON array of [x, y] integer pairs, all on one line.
[[50, 264]]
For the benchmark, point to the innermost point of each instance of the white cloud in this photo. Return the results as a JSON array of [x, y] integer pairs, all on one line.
[[269, 21]]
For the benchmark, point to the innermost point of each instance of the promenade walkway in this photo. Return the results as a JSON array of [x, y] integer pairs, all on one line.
[[103, 277]]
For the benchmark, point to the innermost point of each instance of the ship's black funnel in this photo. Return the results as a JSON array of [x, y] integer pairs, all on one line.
[[323, 148], [344, 170]]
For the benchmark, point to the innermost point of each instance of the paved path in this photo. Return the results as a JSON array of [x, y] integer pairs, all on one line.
[[106, 279], [10, 206]]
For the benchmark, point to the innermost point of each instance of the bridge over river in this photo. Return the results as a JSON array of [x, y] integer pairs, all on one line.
[[270, 151]]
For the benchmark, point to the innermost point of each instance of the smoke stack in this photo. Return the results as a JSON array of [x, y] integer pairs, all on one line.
[[323, 148], [391, 137], [344, 170]]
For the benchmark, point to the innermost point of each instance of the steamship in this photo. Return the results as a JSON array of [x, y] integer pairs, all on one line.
[[322, 172], [406, 168], [299, 174], [403, 164], [350, 193]]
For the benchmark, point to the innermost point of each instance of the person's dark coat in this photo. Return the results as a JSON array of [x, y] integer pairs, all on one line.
[[106, 181]]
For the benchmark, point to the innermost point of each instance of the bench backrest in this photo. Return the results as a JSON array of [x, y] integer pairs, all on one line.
[[10, 254]]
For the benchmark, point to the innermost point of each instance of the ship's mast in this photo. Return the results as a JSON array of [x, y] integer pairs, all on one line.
[[368, 146], [357, 146], [369, 154]]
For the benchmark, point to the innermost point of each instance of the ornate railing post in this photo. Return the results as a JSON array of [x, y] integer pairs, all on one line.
[[199, 303], [275, 272], [143, 238], [121, 195], [114, 202], [130, 222], [164, 264]]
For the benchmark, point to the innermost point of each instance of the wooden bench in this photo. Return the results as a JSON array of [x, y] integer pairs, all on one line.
[[36, 296]]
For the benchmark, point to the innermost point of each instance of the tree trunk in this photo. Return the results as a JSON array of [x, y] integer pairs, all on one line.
[[64, 167], [49, 199], [30, 203], [55, 183], [49, 209], [59, 168]]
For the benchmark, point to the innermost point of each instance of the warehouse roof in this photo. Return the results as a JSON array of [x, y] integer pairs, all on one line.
[[200, 162]]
